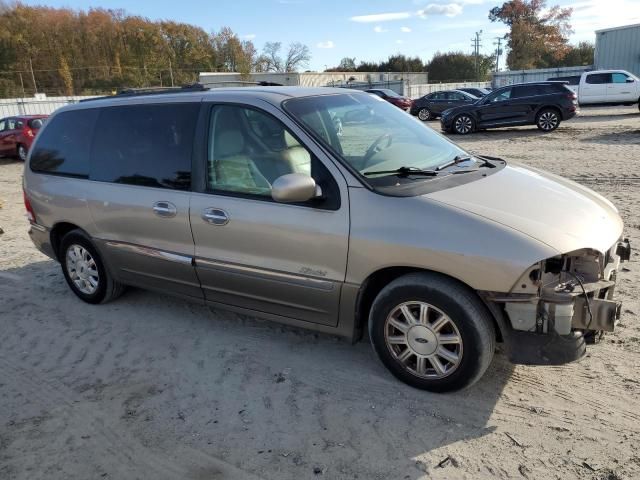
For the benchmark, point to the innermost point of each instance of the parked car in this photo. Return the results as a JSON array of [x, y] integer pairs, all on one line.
[[610, 87], [392, 97], [248, 199], [433, 104], [476, 92], [544, 104], [17, 134]]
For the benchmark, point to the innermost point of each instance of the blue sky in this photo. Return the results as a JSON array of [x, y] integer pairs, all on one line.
[[367, 30]]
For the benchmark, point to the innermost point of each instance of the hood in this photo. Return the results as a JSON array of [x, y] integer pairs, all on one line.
[[558, 212]]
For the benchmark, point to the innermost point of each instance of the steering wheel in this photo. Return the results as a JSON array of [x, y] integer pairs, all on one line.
[[375, 147]]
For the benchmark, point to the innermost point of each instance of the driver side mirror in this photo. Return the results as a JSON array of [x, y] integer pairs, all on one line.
[[630, 80], [295, 188]]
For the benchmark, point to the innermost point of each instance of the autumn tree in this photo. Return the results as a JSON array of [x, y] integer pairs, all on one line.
[[537, 34], [459, 66]]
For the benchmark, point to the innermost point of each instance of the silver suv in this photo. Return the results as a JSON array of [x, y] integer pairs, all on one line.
[[331, 210]]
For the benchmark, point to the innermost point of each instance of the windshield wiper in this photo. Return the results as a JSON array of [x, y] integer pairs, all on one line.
[[456, 160], [404, 172]]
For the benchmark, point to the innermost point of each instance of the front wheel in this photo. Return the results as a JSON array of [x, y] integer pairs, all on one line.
[[548, 120], [432, 332], [463, 124], [424, 114]]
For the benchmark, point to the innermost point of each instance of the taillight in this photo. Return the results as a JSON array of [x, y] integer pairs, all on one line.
[[29, 133], [31, 216], [572, 96]]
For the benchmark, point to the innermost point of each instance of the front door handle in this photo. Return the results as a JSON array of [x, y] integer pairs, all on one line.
[[215, 216], [165, 209]]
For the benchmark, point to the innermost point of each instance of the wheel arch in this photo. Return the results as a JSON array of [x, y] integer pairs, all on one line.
[[378, 279], [58, 231], [549, 107]]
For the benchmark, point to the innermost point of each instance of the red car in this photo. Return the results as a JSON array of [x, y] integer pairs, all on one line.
[[392, 97], [17, 134]]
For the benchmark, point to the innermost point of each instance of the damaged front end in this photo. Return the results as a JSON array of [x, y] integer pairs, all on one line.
[[557, 303]]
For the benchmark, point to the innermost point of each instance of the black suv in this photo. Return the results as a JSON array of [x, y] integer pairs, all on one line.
[[544, 104], [432, 105]]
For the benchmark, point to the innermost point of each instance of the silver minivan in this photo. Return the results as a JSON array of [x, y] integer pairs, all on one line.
[[328, 209]]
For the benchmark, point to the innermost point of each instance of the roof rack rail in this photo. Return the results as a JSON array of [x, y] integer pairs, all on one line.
[[245, 82], [134, 92]]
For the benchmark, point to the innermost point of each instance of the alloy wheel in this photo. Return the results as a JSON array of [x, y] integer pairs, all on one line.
[[548, 121], [22, 153], [424, 114], [463, 124], [82, 269], [423, 340]]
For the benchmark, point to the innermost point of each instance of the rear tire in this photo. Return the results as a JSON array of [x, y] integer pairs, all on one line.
[[22, 152], [548, 119], [463, 124], [432, 332], [425, 114], [84, 269]]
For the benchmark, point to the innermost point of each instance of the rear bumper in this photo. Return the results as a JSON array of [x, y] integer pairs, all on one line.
[[42, 240]]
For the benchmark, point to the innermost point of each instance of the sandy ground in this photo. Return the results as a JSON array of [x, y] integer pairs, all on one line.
[[150, 387]]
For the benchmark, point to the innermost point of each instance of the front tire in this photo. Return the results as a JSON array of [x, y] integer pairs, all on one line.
[[84, 269], [548, 120], [425, 114], [463, 124], [432, 332]]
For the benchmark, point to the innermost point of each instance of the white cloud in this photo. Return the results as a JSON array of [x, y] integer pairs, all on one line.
[[399, 42], [405, 29], [249, 36], [448, 9], [379, 29], [327, 44], [592, 15], [380, 17]]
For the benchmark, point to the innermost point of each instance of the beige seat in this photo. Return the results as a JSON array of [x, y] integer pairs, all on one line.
[[296, 156], [232, 170]]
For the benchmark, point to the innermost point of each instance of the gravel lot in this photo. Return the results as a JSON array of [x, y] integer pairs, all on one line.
[[149, 387]]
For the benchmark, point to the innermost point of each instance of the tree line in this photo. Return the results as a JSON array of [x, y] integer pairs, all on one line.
[[66, 52], [69, 52]]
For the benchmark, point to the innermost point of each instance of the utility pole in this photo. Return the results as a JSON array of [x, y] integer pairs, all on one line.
[[33, 77], [22, 85], [171, 72], [476, 52], [498, 51]]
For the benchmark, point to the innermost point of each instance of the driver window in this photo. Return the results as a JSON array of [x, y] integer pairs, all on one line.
[[619, 78], [501, 96], [249, 149]]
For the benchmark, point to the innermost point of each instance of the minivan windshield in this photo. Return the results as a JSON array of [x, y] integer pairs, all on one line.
[[371, 135]]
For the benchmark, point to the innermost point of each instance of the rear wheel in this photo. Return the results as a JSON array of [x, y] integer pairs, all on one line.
[[22, 152], [432, 332], [463, 124], [84, 270], [424, 114], [548, 120]]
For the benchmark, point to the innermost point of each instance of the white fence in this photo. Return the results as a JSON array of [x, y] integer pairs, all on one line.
[[34, 106], [509, 77], [416, 91]]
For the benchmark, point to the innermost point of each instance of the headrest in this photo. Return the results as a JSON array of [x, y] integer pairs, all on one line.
[[290, 141], [230, 142]]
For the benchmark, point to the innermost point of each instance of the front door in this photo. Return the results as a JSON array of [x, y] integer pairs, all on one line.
[[622, 88], [252, 252], [498, 108]]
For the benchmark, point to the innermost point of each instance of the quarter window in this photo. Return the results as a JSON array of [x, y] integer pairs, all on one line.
[[146, 145], [63, 147]]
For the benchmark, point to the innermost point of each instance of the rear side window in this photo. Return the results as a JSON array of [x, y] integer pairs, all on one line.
[[599, 78], [63, 147], [146, 145]]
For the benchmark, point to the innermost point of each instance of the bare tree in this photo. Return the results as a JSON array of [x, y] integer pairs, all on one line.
[[298, 56], [270, 58]]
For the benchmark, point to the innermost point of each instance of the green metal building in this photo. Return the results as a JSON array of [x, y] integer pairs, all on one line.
[[618, 48]]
